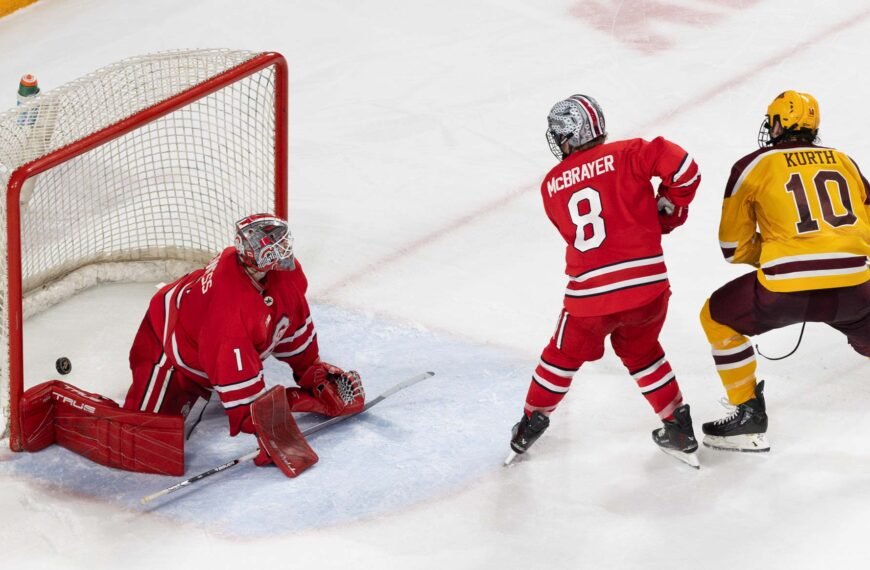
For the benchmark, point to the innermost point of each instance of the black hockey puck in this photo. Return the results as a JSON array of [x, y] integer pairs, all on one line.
[[63, 365]]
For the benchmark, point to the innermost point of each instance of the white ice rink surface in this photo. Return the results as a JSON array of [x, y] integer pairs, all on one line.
[[417, 147]]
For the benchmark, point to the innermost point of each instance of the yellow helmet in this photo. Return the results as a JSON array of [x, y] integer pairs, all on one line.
[[796, 112]]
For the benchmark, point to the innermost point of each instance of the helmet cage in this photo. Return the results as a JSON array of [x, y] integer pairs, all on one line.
[[764, 138], [264, 243], [556, 143]]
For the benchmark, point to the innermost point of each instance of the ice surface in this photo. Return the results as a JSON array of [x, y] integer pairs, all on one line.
[[419, 444], [416, 150]]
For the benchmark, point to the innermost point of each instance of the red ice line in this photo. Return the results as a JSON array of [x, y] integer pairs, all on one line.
[[504, 201], [423, 241], [628, 21], [742, 78]]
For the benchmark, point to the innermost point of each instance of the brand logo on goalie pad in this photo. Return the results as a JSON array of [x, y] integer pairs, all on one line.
[[74, 403]]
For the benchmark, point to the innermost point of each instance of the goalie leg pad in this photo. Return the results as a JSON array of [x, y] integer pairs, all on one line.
[[278, 434], [37, 417], [95, 427]]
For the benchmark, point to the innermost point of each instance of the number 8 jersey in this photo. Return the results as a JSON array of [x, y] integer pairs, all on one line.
[[603, 203], [810, 206]]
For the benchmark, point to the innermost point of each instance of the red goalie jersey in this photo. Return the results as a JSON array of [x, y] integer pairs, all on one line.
[[603, 203], [213, 328]]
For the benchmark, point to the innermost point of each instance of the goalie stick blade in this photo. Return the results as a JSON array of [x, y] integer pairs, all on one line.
[[312, 429], [690, 459]]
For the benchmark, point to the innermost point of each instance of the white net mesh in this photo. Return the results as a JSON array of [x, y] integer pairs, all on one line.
[[169, 190]]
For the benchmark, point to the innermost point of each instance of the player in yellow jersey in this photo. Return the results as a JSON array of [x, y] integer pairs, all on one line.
[[800, 214]]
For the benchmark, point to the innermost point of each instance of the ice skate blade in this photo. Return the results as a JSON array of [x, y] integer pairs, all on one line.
[[511, 456], [746, 443], [690, 459]]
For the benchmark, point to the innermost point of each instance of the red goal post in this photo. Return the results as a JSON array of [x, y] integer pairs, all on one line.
[[134, 172]]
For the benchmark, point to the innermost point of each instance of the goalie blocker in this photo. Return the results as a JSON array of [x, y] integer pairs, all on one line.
[[279, 437], [97, 428]]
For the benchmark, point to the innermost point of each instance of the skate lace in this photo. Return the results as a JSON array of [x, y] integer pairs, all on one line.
[[731, 409]]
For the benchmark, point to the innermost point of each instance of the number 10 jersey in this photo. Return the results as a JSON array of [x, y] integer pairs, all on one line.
[[603, 203], [810, 207]]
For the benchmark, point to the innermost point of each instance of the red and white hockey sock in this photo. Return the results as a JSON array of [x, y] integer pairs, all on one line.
[[549, 385], [659, 386]]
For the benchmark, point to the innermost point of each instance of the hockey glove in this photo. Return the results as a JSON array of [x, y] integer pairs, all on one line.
[[671, 216], [328, 390]]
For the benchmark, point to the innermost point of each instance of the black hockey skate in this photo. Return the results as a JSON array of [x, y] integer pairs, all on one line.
[[526, 432], [743, 429], [677, 437]]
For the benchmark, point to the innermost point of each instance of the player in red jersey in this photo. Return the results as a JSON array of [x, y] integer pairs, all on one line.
[[601, 199], [210, 331]]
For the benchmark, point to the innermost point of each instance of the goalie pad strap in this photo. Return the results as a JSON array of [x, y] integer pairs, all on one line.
[[95, 427], [279, 435]]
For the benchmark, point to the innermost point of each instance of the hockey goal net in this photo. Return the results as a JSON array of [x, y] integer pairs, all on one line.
[[136, 171]]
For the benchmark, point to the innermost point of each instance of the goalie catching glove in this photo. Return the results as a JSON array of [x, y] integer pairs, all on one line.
[[328, 390]]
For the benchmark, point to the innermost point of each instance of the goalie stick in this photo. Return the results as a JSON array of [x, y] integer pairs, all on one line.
[[306, 432]]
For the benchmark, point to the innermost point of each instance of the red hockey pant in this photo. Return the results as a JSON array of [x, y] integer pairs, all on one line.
[[157, 385], [634, 336]]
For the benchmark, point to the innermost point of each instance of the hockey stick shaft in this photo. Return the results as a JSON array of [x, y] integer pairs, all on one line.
[[195, 478], [312, 429]]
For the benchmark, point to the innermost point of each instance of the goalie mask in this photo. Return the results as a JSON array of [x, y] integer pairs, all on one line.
[[797, 113], [264, 242], [576, 120]]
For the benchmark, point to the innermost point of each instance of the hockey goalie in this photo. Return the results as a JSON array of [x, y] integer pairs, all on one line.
[[209, 332]]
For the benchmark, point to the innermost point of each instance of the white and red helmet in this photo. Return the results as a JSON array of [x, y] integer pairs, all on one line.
[[264, 243], [576, 120]]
